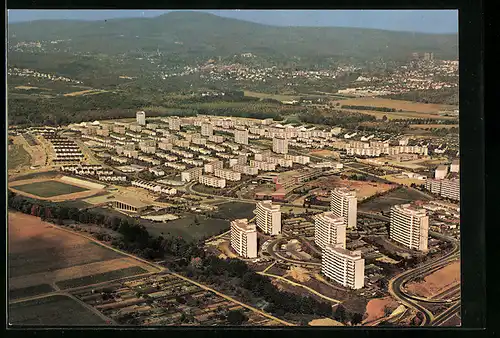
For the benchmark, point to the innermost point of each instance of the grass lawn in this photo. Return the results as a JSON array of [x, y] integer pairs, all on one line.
[[235, 210], [49, 188], [17, 156], [53, 311], [101, 277], [186, 227]]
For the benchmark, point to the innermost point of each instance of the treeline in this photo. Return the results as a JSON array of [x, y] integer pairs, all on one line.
[[384, 109], [237, 278], [335, 118], [438, 96], [232, 275], [241, 113]]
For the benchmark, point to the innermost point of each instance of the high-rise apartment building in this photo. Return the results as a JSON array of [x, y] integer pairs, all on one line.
[[140, 117], [343, 266], [268, 217], [174, 123], [329, 229], [409, 226], [241, 136], [345, 204], [280, 145], [207, 129], [244, 238]]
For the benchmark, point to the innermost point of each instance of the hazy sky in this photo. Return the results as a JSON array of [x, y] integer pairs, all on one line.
[[428, 21]]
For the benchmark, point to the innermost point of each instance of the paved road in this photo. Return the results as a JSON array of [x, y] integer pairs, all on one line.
[[395, 284], [446, 315]]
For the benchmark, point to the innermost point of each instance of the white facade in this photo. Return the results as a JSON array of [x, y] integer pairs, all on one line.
[[210, 167], [207, 129], [191, 175], [268, 217], [280, 145], [441, 172], [343, 266], [455, 166], [244, 238], [229, 175], [241, 136], [140, 117], [174, 123], [345, 204], [329, 229], [212, 181], [409, 226]]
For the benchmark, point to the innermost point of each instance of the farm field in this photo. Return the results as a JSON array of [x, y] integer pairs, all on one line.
[[49, 188], [17, 156], [406, 106], [86, 92], [385, 202], [52, 310], [425, 126], [271, 96], [101, 277], [30, 291], [40, 253]]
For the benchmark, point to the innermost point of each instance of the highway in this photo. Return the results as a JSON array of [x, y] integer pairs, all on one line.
[[446, 315], [396, 284]]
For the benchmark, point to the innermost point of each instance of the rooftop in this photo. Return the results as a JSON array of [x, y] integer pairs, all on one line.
[[131, 201], [243, 224], [338, 249]]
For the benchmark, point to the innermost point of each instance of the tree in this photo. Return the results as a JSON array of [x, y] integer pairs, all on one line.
[[340, 313], [236, 317], [384, 118], [357, 318]]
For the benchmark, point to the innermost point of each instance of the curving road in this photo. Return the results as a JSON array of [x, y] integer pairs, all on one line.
[[396, 284]]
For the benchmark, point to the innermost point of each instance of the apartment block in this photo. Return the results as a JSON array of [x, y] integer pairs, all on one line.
[[343, 266], [210, 167], [141, 118], [268, 216], [241, 136], [207, 129], [409, 226], [212, 181], [345, 204], [245, 169], [263, 165], [191, 174], [244, 238], [280, 145], [329, 229], [229, 175]]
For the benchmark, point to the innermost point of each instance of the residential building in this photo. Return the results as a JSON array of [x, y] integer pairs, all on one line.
[[409, 226], [448, 188], [244, 238], [329, 229], [212, 181], [344, 204], [207, 129], [263, 165], [441, 172], [455, 166], [174, 123], [210, 167], [343, 266], [268, 216], [140, 117], [280, 145], [241, 136], [191, 174], [245, 169], [229, 175]]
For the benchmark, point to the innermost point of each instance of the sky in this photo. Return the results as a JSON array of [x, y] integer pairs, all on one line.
[[425, 21]]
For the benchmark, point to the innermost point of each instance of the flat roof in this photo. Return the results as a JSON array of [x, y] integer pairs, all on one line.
[[243, 224], [131, 201]]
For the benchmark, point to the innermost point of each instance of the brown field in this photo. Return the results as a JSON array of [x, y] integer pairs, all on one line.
[[58, 198], [406, 106], [271, 96], [375, 308], [41, 253], [364, 189], [325, 322], [85, 92], [399, 115], [324, 153], [424, 126], [437, 281]]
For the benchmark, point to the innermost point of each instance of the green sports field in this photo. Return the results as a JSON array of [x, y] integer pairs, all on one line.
[[49, 188]]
